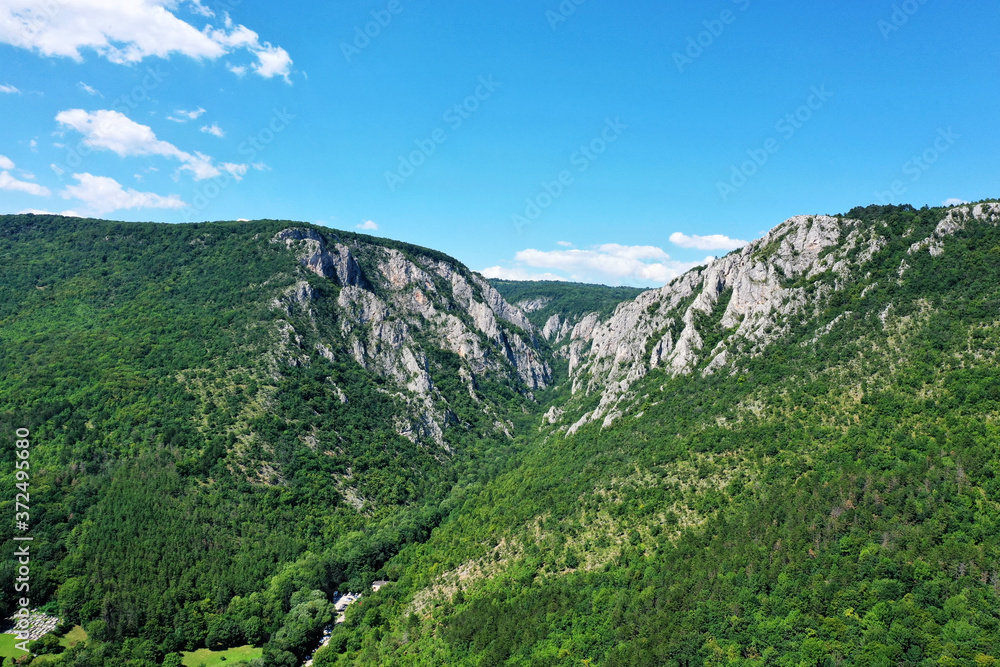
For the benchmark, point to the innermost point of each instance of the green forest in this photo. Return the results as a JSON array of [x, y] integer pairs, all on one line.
[[568, 300], [833, 501], [175, 505]]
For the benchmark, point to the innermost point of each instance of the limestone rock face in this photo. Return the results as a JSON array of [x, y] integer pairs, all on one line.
[[387, 310], [956, 220], [747, 296], [531, 305], [743, 302], [335, 263], [551, 327]]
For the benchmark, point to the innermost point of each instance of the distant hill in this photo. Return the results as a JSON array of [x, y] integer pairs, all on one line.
[[540, 300]]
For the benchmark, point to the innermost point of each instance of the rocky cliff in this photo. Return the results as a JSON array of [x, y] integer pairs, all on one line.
[[705, 320], [392, 307]]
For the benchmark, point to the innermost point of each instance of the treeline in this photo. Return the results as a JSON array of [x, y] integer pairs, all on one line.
[[568, 300]]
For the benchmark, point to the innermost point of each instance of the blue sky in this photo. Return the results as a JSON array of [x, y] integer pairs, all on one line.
[[608, 142]]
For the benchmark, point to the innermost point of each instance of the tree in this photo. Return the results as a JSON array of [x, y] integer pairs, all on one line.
[[48, 644]]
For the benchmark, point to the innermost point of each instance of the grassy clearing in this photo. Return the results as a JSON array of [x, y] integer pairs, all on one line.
[[211, 658], [7, 649], [73, 637]]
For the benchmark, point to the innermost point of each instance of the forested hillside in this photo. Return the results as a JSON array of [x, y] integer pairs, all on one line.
[[830, 498], [540, 299], [228, 417], [789, 457]]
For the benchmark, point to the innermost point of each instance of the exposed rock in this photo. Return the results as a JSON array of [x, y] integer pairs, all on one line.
[[553, 415], [324, 351], [955, 221], [338, 264], [415, 303], [504, 310], [287, 348], [551, 327], [750, 298], [300, 295], [401, 272], [665, 328], [532, 305]]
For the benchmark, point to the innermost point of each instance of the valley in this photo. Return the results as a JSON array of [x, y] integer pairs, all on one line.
[[785, 457]]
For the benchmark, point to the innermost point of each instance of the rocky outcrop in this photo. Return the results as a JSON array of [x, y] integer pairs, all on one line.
[[298, 296], [745, 299], [743, 302], [336, 262], [393, 307], [504, 310], [529, 306], [551, 328], [955, 221]]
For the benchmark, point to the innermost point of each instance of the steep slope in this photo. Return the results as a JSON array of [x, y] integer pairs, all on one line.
[[411, 301], [739, 305], [827, 495], [225, 415]]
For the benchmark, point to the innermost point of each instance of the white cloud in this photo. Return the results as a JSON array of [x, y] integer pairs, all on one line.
[[184, 116], [712, 242], [33, 145], [610, 262], [238, 171], [201, 166], [201, 9], [954, 202], [214, 130], [564, 244], [68, 214], [7, 88], [90, 89], [637, 252], [103, 195], [501, 273], [129, 32], [369, 225], [113, 131], [273, 61], [11, 184]]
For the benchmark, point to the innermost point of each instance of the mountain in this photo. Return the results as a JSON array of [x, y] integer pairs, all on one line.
[[710, 319], [786, 457], [223, 412]]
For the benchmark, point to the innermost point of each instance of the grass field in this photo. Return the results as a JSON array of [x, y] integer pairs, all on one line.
[[227, 657], [73, 637], [7, 649]]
